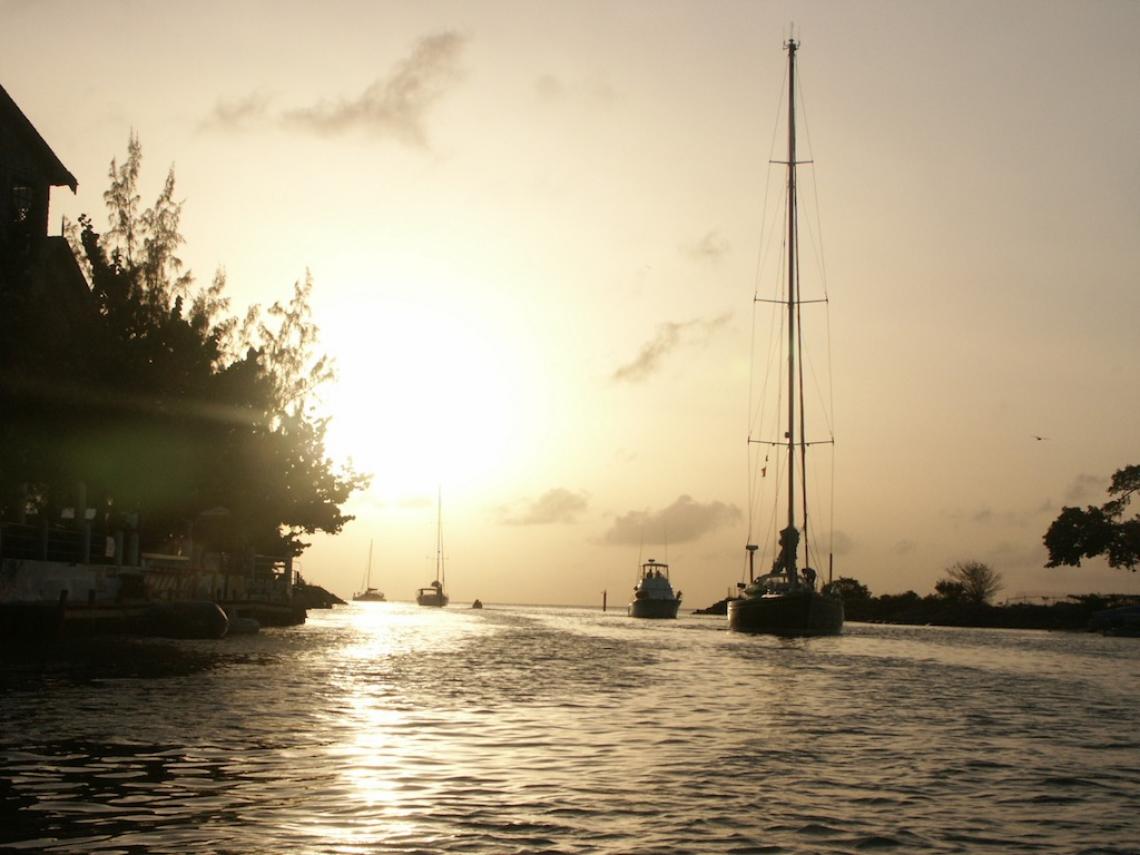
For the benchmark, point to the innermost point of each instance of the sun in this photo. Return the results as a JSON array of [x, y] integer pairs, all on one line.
[[423, 395]]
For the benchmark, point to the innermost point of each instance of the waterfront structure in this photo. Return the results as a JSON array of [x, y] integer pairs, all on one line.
[[42, 266], [80, 567]]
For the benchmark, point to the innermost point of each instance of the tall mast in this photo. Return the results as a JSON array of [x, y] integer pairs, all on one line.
[[439, 535], [793, 252]]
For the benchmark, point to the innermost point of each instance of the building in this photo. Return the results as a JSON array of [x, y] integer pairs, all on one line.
[[34, 266], [28, 171]]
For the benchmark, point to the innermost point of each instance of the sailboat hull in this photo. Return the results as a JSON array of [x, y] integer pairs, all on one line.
[[436, 599], [797, 613], [370, 596]]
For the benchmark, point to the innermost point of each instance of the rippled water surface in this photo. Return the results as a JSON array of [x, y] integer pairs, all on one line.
[[384, 727]]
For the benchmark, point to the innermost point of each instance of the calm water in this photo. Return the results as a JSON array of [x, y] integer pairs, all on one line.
[[384, 727]]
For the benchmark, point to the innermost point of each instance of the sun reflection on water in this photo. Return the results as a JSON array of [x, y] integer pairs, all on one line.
[[388, 740], [386, 727]]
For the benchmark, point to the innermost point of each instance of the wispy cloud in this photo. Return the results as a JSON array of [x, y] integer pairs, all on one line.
[[552, 89], [986, 516], [669, 337], [682, 521], [393, 106], [1018, 556], [711, 248], [549, 88], [841, 543], [554, 506], [904, 547], [238, 114], [1086, 488]]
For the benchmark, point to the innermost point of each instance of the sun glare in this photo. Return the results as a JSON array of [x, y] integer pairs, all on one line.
[[422, 396]]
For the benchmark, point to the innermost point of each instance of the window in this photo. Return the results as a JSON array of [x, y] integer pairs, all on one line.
[[23, 200]]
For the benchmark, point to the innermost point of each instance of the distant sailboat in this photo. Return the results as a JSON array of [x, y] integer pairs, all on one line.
[[369, 594], [433, 594], [785, 600]]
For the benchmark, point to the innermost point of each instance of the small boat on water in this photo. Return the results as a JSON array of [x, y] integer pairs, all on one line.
[[1123, 620], [478, 604], [653, 595], [369, 594], [433, 595], [785, 601], [241, 625]]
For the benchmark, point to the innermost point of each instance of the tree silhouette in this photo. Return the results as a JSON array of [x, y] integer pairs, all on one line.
[[851, 590], [979, 582], [1077, 534], [162, 404], [950, 589]]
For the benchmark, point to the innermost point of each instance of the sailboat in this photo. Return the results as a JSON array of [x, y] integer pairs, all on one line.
[[369, 594], [433, 594], [785, 601]]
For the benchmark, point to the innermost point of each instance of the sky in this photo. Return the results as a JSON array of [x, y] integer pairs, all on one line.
[[534, 233]]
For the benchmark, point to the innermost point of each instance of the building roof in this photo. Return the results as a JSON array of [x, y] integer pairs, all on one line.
[[12, 115]]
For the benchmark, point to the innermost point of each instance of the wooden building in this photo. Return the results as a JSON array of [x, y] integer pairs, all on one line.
[[28, 171], [39, 276]]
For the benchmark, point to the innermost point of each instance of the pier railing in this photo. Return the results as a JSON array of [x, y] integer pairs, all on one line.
[[64, 544], [221, 576]]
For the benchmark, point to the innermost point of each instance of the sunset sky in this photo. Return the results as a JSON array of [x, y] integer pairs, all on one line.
[[533, 229]]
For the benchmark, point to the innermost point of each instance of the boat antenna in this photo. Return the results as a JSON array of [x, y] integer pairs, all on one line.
[[640, 547]]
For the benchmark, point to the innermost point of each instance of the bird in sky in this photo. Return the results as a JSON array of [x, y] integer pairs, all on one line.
[[1039, 438]]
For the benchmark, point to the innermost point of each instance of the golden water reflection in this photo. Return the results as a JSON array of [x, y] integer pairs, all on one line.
[[385, 727], [389, 741]]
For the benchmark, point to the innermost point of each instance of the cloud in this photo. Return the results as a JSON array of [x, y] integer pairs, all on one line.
[[625, 455], [238, 114], [393, 106], [1017, 556], [669, 337], [553, 90], [549, 88], [841, 543], [682, 521], [904, 547], [711, 248], [554, 506], [1015, 518], [1086, 488]]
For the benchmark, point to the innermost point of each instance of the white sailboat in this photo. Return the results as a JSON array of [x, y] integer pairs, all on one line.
[[433, 594], [785, 600], [369, 594]]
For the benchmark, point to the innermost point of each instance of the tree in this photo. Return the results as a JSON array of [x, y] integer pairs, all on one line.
[[950, 589], [165, 405], [979, 581], [1077, 534], [851, 590]]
